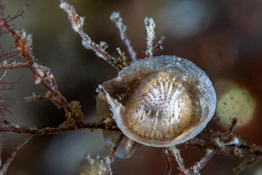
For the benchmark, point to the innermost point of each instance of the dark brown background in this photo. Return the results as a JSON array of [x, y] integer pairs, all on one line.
[[223, 37]]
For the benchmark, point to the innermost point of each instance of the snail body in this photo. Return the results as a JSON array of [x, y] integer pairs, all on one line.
[[160, 101]]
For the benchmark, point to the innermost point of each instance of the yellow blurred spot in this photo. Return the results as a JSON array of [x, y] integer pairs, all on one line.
[[236, 103]]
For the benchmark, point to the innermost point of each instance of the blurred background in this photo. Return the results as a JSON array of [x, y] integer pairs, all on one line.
[[223, 37]]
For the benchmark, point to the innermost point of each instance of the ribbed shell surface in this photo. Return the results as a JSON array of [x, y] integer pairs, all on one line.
[[167, 100]]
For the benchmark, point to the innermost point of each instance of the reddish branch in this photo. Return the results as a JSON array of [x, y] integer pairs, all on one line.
[[180, 161], [168, 160], [117, 144], [244, 164], [5, 102], [10, 54], [18, 14], [7, 163], [43, 76], [13, 65], [202, 163], [41, 73], [222, 143], [10, 127]]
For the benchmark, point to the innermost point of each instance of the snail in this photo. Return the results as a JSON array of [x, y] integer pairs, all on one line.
[[160, 101]]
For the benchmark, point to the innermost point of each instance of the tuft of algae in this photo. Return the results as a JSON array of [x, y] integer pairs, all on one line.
[[234, 102]]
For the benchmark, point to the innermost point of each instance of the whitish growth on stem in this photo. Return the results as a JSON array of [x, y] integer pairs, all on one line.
[[76, 20], [77, 23], [97, 166], [150, 35], [179, 159], [12, 65], [122, 57], [116, 18], [202, 163]]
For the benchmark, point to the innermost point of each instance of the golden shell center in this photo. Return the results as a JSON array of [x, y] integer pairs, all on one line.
[[161, 108]]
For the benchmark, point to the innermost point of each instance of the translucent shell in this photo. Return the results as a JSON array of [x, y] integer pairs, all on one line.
[[160, 101]]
